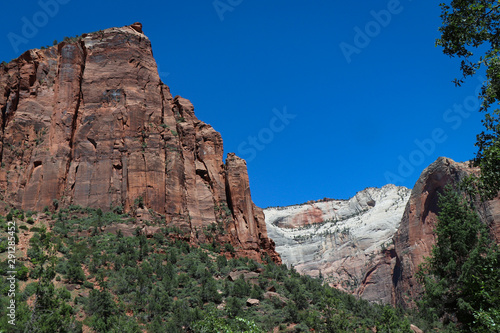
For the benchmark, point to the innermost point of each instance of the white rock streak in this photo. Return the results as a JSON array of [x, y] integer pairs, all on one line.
[[343, 240]]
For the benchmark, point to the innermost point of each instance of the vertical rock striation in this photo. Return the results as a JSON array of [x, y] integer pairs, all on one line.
[[88, 122], [415, 237]]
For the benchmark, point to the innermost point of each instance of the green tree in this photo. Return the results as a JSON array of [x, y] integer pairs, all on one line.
[[75, 273], [462, 275], [22, 273], [209, 291], [391, 322], [215, 323], [336, 320], [233, 306], [489, 181], [103, 309], [241, 287], [468, 25], [49, 313]]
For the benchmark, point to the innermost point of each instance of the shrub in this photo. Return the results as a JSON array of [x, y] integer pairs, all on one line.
[[101, 305], [221, 262], [4, 245], [139, 202], [22, 273], [64, 294], [301, 328], [228, 247], [75, 272], [29, 290], [88, 285], [234, 306], [213, 322], [118, 210], [209, 291], [256, 292], [241, 287]]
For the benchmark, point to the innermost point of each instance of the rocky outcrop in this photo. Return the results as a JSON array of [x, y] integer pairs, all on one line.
[[249, 225], [415, 237], [88, 122], [490, 214], [347, 242], [354, 245]]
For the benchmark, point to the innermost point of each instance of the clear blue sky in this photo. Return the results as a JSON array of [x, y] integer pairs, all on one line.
[[359, 101]]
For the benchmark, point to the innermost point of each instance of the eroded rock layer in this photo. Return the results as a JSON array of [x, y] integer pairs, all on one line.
[[347, 242], [88, 122]]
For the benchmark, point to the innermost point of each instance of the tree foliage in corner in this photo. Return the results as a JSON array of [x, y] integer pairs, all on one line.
[[471, 31], [462, 276]]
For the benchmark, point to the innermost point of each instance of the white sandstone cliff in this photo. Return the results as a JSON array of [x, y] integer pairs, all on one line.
[[347, 242]]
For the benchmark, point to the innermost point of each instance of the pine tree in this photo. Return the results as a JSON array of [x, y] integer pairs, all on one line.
[[209, 291], [462, 276], [49, 313], [103, 308], [75, 273]]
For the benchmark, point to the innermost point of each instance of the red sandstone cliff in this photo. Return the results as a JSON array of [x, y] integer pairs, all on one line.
[[90, 123], [415, 236]]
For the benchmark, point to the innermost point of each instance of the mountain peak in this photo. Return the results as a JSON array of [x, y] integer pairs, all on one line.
[[88, 122]]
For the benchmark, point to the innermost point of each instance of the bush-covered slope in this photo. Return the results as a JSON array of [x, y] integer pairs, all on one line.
[[73, 274]]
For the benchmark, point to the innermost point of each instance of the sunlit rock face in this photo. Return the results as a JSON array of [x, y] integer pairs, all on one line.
[[416, 236], [88, 122], [346, 242]]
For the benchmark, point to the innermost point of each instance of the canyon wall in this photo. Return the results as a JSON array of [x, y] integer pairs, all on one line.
[[372, 244], [415, 237], [88, 122], [346, 242]]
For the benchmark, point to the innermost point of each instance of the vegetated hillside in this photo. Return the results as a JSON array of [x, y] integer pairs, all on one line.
[[81, 268], [347, 242]]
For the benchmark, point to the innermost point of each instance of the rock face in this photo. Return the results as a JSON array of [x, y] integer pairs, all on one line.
[[347, 242], [490, 214], [88, 122], [415, 237], [354, 245]]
